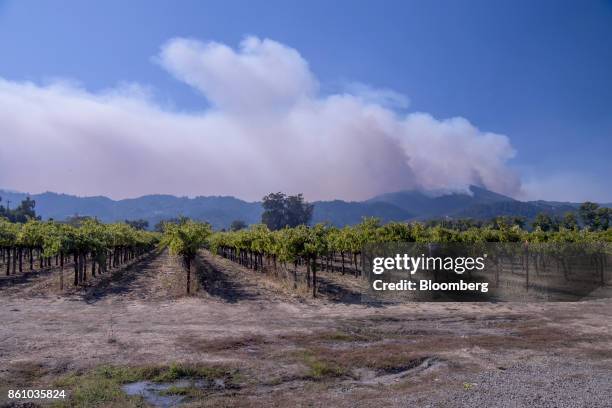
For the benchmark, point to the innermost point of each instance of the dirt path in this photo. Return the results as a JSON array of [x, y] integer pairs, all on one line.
[[231, 282], [156, 277], [226, 281]]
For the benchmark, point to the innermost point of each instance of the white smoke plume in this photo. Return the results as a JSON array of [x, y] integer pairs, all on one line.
[[268, 128]]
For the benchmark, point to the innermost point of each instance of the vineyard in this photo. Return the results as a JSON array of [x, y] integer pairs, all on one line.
[[332, 249], [256, 316], [293, 254], [91, 247]]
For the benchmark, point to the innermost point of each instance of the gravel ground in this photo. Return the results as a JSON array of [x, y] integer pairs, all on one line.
[[546, 383]]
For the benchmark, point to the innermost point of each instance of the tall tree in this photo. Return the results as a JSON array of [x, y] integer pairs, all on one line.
[[570, 221], [281, 210], [603, 218], [298, 211], [22, 213], [546, 222], [588, 214], [274, 211]]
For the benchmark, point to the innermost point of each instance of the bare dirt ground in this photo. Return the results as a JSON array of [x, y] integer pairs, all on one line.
[[287, 349]]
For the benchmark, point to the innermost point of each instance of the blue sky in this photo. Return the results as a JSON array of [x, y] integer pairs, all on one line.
[[538, 72]]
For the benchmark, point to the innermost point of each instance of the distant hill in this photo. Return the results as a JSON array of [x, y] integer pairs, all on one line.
[[513, 208], [342, 213], [220, 211], [426, 205], [481, 204]]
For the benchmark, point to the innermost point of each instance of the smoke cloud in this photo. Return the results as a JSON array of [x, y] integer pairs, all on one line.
[[268, 128]]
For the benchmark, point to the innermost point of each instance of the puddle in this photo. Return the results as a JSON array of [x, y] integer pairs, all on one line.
[[153, 393]]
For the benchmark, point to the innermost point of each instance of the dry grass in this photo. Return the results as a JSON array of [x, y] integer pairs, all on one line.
[[291, 351]]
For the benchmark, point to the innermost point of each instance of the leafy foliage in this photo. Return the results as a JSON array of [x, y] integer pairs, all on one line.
[[285, 211], [100, 243], [22, 213]]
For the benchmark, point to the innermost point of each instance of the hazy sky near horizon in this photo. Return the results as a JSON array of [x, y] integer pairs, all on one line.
[[343, 99]]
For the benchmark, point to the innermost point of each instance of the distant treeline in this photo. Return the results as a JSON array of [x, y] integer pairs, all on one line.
[[21, 213], [281, 210], [589, 215]]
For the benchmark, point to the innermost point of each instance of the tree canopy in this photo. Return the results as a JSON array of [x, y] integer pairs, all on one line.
[[22, 213], [282, 211]]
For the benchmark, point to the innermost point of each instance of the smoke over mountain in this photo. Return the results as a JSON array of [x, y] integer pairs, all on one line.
[[267, 128]]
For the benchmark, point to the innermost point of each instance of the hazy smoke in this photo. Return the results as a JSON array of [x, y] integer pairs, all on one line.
[[268, 129]]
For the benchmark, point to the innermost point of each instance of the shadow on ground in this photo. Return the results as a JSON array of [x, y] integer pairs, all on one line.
[[119, 282], [217, 283]]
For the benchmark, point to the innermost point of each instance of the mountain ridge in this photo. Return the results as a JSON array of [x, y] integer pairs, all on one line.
[[220, 211]]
